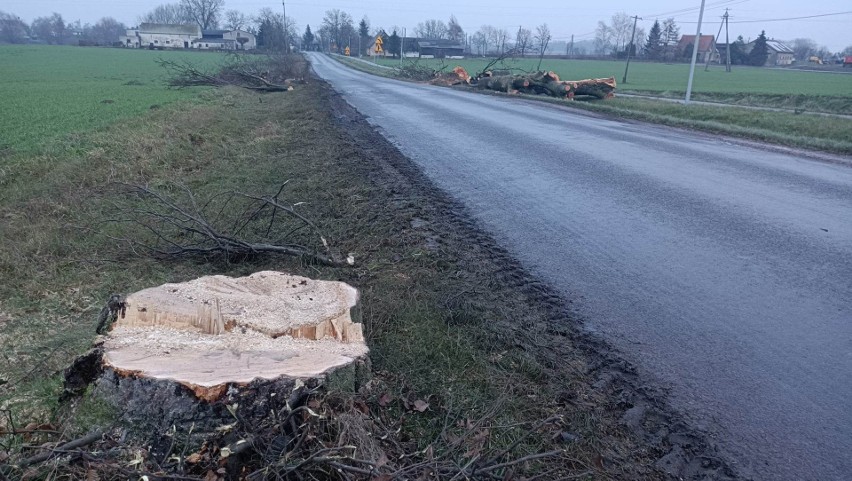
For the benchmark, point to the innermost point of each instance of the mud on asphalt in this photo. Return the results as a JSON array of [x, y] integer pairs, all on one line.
[[643, 436]]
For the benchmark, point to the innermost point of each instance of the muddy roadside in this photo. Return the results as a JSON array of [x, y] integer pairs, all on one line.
[[640, 434]]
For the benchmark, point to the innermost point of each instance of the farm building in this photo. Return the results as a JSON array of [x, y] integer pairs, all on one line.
[[706, 48], [779, 54], [413, 47], [440, 48], [161, 36], [226, 40]]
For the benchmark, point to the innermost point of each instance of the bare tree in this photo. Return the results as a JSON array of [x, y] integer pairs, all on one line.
[[106, 31], [620, 26], [434, 29], [501, 36], [204, 12], [168, 13], [236, 20], [12, 28], [488, 36], [803, 48], [523, 41], [603, 39], [542, 39], [454, 30], [670, 37], [337, 23], [50, 29], [480, 42]]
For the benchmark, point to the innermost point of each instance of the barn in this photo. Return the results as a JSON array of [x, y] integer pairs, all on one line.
[[173, 36]]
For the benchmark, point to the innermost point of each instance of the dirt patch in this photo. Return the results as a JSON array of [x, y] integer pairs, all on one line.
[[640, 436]]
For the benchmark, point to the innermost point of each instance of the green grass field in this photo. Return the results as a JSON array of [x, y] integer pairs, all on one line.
[[657, 77], [50, 91]]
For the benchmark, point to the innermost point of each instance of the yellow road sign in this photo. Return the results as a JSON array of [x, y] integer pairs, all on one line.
[[346, 51], [379, 43]]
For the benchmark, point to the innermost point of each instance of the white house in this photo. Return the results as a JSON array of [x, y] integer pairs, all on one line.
[[162, 36]]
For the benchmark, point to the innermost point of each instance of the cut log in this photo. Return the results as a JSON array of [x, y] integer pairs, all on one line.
[[458, 76], [603, 88], [207, 340], [546, 83]]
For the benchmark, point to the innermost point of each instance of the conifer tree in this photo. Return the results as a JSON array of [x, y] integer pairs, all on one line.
[[654, 44], [759, 52]]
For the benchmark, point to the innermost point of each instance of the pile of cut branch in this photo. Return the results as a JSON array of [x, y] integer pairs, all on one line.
[[420, 72], [262, 73], [170, 222]]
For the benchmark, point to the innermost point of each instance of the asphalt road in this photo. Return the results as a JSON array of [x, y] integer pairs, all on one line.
[[723, 271]]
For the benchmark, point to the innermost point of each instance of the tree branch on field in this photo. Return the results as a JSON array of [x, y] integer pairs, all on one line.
[[234, 225], [270, 73]]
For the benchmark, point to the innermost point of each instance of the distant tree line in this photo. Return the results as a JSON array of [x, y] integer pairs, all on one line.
[[338, 31], [54, 30]]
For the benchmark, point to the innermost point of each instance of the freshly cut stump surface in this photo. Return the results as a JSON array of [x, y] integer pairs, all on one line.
[[216, 331]]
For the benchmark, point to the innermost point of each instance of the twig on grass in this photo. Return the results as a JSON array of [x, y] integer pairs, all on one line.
[[172, 229]]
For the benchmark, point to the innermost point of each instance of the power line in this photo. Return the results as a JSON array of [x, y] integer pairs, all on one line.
[[795, 18], [694, 9]]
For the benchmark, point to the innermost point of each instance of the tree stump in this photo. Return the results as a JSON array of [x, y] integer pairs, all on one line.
[[217, 347]]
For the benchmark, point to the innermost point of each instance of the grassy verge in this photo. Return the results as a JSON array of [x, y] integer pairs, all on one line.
[[789, 129], [366, 67], [783, 128], [450, 318], [796, 102]]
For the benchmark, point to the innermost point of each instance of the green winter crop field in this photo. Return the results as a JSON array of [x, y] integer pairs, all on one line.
[[49, 91], [774, 87]]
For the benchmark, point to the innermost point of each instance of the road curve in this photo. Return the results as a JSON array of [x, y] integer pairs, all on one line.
[[723, 271]]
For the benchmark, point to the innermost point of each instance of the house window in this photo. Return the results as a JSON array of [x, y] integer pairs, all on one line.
[[206, 44], [156, 41], [168, 41]]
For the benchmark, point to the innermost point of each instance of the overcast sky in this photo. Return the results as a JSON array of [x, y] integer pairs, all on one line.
[[834, 31]]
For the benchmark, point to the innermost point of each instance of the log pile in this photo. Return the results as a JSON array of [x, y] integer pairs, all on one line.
[[544, 83]]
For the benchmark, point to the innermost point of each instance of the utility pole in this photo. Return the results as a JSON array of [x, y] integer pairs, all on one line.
[[629, 48], [727, 45], [694, 55], [286, 38], [572, 46], [710, 57], [401, 44], [518, 40]]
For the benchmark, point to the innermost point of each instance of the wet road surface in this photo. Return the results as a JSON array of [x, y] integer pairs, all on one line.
[[723, 271]]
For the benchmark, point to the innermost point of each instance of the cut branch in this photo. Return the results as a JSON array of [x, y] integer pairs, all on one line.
[[170, 228]]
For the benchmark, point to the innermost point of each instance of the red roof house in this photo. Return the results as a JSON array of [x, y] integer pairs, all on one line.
[[706, 47]]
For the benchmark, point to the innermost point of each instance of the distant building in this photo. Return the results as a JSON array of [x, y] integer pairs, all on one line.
[[226, 40], [410, 47], [414, 47], [706, 48], [779, 54], [162, 36], [440, 48]]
